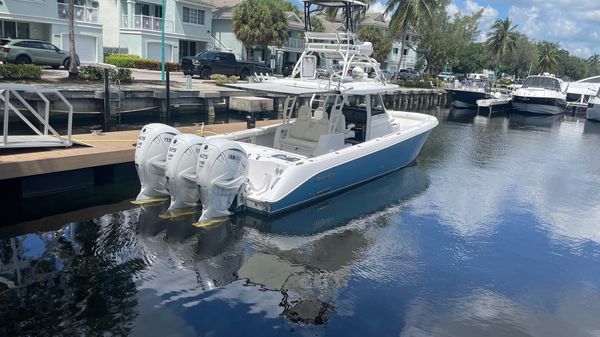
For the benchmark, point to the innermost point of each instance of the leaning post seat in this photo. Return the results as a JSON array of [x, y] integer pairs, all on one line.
[[305, 133]]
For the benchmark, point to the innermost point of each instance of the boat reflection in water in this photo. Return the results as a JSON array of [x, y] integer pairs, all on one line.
[[298, 262], [308, 254], [464, 116], [529, 120], [125, 269], [591, 127]]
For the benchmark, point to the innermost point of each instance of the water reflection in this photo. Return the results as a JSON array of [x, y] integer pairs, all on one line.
[[119, 268], [591, 127], [522, 120], [493, 233], [487, 313], [461, 115]]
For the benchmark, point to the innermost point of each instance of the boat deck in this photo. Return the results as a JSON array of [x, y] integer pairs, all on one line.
[[106, 149]]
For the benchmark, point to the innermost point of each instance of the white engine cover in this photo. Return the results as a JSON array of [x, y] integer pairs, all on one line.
[[182, 159], [222, 173], [150, 160]]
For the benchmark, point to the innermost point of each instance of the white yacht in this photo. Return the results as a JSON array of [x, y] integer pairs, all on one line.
[[540, 94], [593, 108], [342, 136]]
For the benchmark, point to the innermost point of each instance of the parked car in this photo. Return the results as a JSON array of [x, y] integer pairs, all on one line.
[[4, 40], [34, 51], [446, 76], [214, 62], [409, 74], [287, 68]]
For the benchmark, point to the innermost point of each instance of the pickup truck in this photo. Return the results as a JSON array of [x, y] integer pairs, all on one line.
[[215, 62]]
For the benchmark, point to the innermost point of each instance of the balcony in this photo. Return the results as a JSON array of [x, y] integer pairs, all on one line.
[[150, 23], [294, 43], [82, 13]]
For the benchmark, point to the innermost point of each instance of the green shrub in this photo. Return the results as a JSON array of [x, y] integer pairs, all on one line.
[[121, 60], [20, 72], [92, 73], [222, 79], [134, 61], [155, 65]]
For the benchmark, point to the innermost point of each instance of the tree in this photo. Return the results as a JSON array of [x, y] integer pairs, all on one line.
[[502, 39], [382, 45], [408, 14], [257, 23], [521, 59], [450, 41], [594, 63], [73, 69], [547, 56]]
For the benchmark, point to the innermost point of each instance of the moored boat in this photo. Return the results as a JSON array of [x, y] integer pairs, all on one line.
[[540, 94], [593, 108], [467, 97], [343, 136]]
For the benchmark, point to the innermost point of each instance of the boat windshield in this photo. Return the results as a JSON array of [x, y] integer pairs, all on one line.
[[542, 82]]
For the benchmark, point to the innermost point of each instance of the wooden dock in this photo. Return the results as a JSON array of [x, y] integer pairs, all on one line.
[[106, 149]]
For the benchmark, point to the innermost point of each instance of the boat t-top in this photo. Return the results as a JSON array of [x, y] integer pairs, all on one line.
[[540, 94], [336, 133]]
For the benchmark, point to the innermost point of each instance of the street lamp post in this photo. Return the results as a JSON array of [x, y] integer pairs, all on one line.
[[162, 38]]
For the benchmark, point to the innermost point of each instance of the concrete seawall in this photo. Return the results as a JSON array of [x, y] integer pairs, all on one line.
[[131, 99]]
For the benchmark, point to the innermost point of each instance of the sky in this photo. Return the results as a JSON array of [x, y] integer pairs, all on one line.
[[574, 24]]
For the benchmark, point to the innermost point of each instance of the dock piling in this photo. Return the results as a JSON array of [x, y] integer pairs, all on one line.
[[168, 89], [106, 101]]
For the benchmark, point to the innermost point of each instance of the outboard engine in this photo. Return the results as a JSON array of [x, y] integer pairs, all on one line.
[[180, 172], [150, 160], [222, 173]]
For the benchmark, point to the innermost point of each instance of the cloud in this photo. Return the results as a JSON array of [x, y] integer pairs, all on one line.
[[570, 24], [469, 7]]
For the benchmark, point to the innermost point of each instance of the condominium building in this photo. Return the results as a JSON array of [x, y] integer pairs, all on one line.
[[113, 26]]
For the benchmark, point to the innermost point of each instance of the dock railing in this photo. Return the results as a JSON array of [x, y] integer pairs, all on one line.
[[48, 137]]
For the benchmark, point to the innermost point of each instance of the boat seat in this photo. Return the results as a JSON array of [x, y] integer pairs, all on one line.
[[305, 132]]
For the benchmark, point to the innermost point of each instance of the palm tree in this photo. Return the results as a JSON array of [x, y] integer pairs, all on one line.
[[73, 69], [256, 23], [502, 38], [331, 13], [594, 61], [548, 56], [406, 14]]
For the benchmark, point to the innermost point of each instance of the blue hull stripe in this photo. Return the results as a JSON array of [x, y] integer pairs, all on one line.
[[352, 173]]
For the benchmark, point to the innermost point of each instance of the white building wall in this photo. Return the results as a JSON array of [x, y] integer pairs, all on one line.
[[110, 18], [223, 31]]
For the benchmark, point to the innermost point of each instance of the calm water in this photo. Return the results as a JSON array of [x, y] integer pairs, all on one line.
[[495, 231]]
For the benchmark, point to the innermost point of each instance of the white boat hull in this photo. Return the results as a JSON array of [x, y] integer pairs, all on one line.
[[323, 176], [593, 113], [534, 108]]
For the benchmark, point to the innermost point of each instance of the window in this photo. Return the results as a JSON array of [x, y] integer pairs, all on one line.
[[395, 50], [376, 105], [158, 11], [142, 9], [405, 52], [195, 16], [22, 30], [49, 46], [10, 29]]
